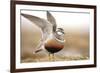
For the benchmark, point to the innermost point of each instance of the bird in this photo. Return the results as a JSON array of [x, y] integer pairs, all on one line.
[[52, 37]]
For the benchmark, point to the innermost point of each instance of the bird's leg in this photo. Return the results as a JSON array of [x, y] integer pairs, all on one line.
[[51, 57]]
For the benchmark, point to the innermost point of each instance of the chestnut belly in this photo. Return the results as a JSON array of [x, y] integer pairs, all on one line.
[[53, 46], [52, 49]]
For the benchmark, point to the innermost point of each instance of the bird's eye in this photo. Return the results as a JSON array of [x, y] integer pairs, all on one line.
[[59, 33]]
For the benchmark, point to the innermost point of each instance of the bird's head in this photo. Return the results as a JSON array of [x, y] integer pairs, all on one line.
[[59, 34], [60, 31]]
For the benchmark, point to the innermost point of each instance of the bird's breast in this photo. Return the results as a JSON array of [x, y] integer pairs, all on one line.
[[52, 45]]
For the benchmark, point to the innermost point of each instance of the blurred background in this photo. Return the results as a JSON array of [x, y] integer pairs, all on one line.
[[76, 27]]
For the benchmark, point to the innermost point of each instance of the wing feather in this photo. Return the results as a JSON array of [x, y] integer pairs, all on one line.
[[45, 26], [40, 22], [52, 20]]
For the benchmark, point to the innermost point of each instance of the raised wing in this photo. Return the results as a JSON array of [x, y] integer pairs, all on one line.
[[45, 26], [41, 23], [52, 20]]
